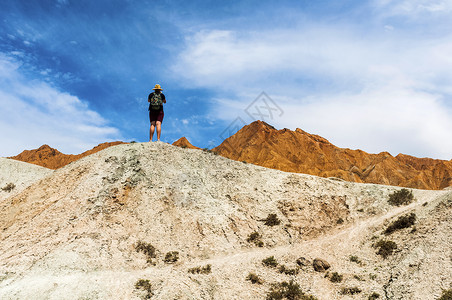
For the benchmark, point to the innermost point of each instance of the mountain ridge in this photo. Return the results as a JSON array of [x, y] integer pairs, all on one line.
[[48, 157], [301, 152]]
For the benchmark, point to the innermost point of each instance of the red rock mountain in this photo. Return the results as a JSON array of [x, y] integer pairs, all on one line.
[[184, 143], [298, 151], [48, 157]]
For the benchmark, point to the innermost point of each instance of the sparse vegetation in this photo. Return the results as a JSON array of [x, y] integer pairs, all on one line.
[[372, 276], [272, 220], [336, 277], [386, 248], [201, 270], [171, 257], [401, 197], [147, 249], [270, 262], [287, 290], [255, 238], [350, 290], [402, 222], [145, 285], [254, 278], [357, 277], [355, 259], [284, 270], [9, 187], [373, 296], [446, 295], [340, 221]]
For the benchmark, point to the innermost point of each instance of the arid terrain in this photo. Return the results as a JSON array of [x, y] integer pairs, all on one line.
[[46, 156], [298, 151], [108, 226]]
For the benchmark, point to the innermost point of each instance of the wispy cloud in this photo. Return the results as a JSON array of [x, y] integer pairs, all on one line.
[[34, 112], [383, 91]]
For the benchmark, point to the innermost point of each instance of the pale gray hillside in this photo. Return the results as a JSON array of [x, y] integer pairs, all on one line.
[[19, 174], [74, 235]]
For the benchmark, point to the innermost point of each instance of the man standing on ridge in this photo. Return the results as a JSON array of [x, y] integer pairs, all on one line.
[[156, 100]]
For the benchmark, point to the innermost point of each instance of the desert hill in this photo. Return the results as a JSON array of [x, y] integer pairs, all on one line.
[[74, 234], [48, 157], [15, 176], [184, 143], [298, 151]]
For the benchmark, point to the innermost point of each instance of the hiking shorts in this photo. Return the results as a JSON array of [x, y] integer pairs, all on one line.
[[156, 115]]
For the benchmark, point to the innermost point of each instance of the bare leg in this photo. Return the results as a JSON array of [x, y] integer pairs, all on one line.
[[159, 129], [151, 131]]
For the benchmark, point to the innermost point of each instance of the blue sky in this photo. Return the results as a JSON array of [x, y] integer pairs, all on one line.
[[374, 75]]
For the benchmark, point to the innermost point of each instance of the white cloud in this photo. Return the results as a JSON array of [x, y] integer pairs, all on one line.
[[376, 91], [35, 113], [414, 7]]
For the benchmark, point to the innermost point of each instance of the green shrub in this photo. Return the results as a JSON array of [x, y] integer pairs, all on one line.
[[287, 290], [201, 270], [147, 249], [9, 187], [336, 277], [171, 257], [373, 296], [144, 285], [254, 278], [401, 197], [402, 222], [446, 295], [272, 220], [270, 262], [350, 290], [255, 238], [386, 248], [284, 270]]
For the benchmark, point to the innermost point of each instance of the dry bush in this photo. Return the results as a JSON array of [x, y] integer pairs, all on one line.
[[145, 285], [284, 270], [350, 290], [386, 248], [373, 296], [336, 277], [446, 295], [272, 220], [255, 238], [201, 270], [401, 197], [402, 222], [270, 262], [147, 249], [171, 257], [9, 187], [287, 290]]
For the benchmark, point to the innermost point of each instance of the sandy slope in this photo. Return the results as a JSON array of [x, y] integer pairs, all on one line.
[[20, 174], [73, 235]]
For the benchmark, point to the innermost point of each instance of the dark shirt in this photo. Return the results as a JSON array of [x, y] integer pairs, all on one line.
[[149, 99]]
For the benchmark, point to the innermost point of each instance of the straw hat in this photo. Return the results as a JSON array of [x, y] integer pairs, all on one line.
[[157, 87]]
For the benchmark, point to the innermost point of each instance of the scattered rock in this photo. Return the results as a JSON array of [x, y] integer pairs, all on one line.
[[320, 265], [302, 261]]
